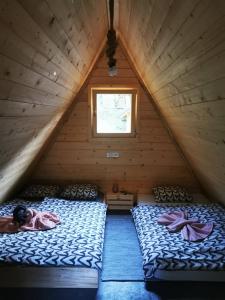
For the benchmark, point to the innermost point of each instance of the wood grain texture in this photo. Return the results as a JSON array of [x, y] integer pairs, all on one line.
[[147, 160], [178, 48], [48, 277], [46, 51]]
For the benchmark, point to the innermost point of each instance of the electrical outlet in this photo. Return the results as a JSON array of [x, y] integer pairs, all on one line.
[[112, 154]]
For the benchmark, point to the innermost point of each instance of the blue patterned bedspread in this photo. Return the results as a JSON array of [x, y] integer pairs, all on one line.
[[162, 250], [77, 241]]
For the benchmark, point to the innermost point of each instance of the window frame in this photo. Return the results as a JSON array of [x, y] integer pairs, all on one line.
[[112, 89]]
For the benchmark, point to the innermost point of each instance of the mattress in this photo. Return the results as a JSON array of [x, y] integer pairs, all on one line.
[[167, 256], [77, 241]]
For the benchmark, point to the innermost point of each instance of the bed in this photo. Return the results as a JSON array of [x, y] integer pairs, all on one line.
[[166, 256], [69, 255]]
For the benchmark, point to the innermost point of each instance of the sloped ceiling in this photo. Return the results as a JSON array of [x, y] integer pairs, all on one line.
[[150, 158], [46, 50], [179, 49]]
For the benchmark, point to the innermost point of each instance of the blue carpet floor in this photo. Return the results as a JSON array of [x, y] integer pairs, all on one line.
[[122, 260], [125, 291]]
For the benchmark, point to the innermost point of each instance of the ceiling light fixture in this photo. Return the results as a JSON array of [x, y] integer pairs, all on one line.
[[111, 42]]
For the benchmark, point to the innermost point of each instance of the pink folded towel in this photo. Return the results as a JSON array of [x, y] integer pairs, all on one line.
[[191, 229], [36, 220]]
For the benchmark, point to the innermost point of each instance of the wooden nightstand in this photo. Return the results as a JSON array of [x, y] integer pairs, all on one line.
[[119, 201]]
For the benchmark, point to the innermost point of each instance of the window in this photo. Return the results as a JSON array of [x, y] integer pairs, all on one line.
[[113, 112]]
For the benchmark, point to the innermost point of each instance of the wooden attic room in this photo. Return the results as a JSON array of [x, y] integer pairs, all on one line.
[[112, 164]]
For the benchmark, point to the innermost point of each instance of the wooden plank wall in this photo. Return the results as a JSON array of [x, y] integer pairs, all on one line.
[[150, 159], [178, 48], [46, 50]]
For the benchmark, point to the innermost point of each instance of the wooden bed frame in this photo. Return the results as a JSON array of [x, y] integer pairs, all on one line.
[[48, 277]]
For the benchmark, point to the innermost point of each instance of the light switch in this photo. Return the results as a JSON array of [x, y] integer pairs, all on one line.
[[112, 154]]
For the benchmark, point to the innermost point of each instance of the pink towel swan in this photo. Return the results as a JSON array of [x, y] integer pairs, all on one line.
[[35, 220], [191, 229]]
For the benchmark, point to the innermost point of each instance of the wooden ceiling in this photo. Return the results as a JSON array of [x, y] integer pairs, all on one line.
[[178, 48], [150, 158], [47, 48]]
